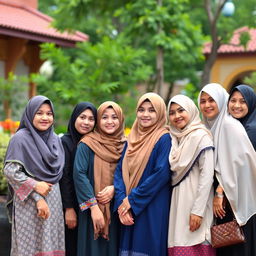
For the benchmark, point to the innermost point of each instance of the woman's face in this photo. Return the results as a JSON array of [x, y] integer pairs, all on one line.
[[43, 118], [208, 106], [237, 106], [109, 121], [85, 122], [146, 114], [178, 116]]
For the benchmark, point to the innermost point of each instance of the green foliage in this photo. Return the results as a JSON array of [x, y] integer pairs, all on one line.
[[4, 140], [251, 80], [12, 90]]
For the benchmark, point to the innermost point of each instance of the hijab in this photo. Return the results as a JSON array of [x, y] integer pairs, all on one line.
[[72, 137], [141, 142], [107, 149], [235, 163], [248, 121], [39, 152], [188, 143]]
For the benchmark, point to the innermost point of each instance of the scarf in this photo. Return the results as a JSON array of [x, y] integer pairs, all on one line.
[[107, 150], [141, 142], [72, 137], [40, 153], [188, 143], [248, 121], [235, 163]]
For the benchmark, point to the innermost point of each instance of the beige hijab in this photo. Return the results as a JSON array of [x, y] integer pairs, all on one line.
[[188, 143], [141, 142], [107, 150], [235, 157]]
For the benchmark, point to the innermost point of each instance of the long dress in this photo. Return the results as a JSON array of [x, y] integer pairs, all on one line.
[[68, 195], [31, 235], [150, 203], [84, 185], [189, 197]]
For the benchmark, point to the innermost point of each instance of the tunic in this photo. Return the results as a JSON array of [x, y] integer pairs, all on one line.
[[194, 195], [150, 203], [84, 186], [31, 235]]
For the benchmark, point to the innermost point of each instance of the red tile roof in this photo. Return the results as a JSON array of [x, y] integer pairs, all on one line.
[[231, 47], [26, 22]]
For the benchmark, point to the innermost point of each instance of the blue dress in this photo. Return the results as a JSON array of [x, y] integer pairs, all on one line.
[[150, 203]]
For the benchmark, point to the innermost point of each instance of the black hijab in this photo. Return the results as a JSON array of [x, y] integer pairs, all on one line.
[[72, 137], [40, 153], [248, 121]]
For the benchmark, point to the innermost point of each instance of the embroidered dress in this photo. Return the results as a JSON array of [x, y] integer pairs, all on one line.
[[84, 184], [31, 235], [150, 202]]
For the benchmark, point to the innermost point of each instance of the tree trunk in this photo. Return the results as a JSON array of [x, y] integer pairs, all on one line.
[[160, 71]]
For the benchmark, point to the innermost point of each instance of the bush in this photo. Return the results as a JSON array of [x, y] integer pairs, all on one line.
[[4, 140]]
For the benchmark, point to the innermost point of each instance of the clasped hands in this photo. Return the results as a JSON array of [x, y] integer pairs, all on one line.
[[124, 211]]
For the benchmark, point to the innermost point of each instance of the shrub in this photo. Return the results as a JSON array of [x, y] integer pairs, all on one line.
[[4, 140]]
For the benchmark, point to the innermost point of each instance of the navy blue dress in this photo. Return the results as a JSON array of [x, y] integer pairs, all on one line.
[[150, 203]]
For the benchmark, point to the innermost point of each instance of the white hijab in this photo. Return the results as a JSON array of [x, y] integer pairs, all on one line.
[[188, 143], [235, 158]]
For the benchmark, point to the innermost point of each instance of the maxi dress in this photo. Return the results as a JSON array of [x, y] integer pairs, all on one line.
[[84, 184], [150, 203], [31, 235]]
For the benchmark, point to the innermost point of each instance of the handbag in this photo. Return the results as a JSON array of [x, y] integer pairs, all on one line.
[[226, 234]]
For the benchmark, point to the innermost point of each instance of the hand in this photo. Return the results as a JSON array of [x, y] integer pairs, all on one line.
[[105, 195], [219, 207], [43, 188], [43, 210], [97, 219], [70, 218], [194, 222], [124, 207], [126, 219]]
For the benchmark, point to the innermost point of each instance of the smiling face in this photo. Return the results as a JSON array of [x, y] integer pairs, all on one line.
[[178, 116], [109, 121], [43, 118], [237, 106], [146, 114], [208, 106], [85, 122]]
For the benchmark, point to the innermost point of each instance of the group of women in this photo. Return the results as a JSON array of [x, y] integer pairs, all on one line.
[[153, 193]]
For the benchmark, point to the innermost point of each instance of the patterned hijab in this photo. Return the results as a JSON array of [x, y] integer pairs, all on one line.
[[107, 149], [188, 143], [235, 163], [40, 153], [249, 121], [141, 142]]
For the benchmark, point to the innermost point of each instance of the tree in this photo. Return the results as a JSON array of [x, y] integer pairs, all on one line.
[[161, 27]]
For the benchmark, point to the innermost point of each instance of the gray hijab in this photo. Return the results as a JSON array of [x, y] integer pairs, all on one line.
[[235, 158], [40, 153]]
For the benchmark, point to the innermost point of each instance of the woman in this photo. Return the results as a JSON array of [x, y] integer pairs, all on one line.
[[192, 163], [82, 121], [235, 166], [142, 181], [33, 167], [242, 106], [95, 162]]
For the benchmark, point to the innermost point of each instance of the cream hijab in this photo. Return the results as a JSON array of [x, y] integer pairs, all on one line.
[[141, 142], [235, 158], [188, 143]]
